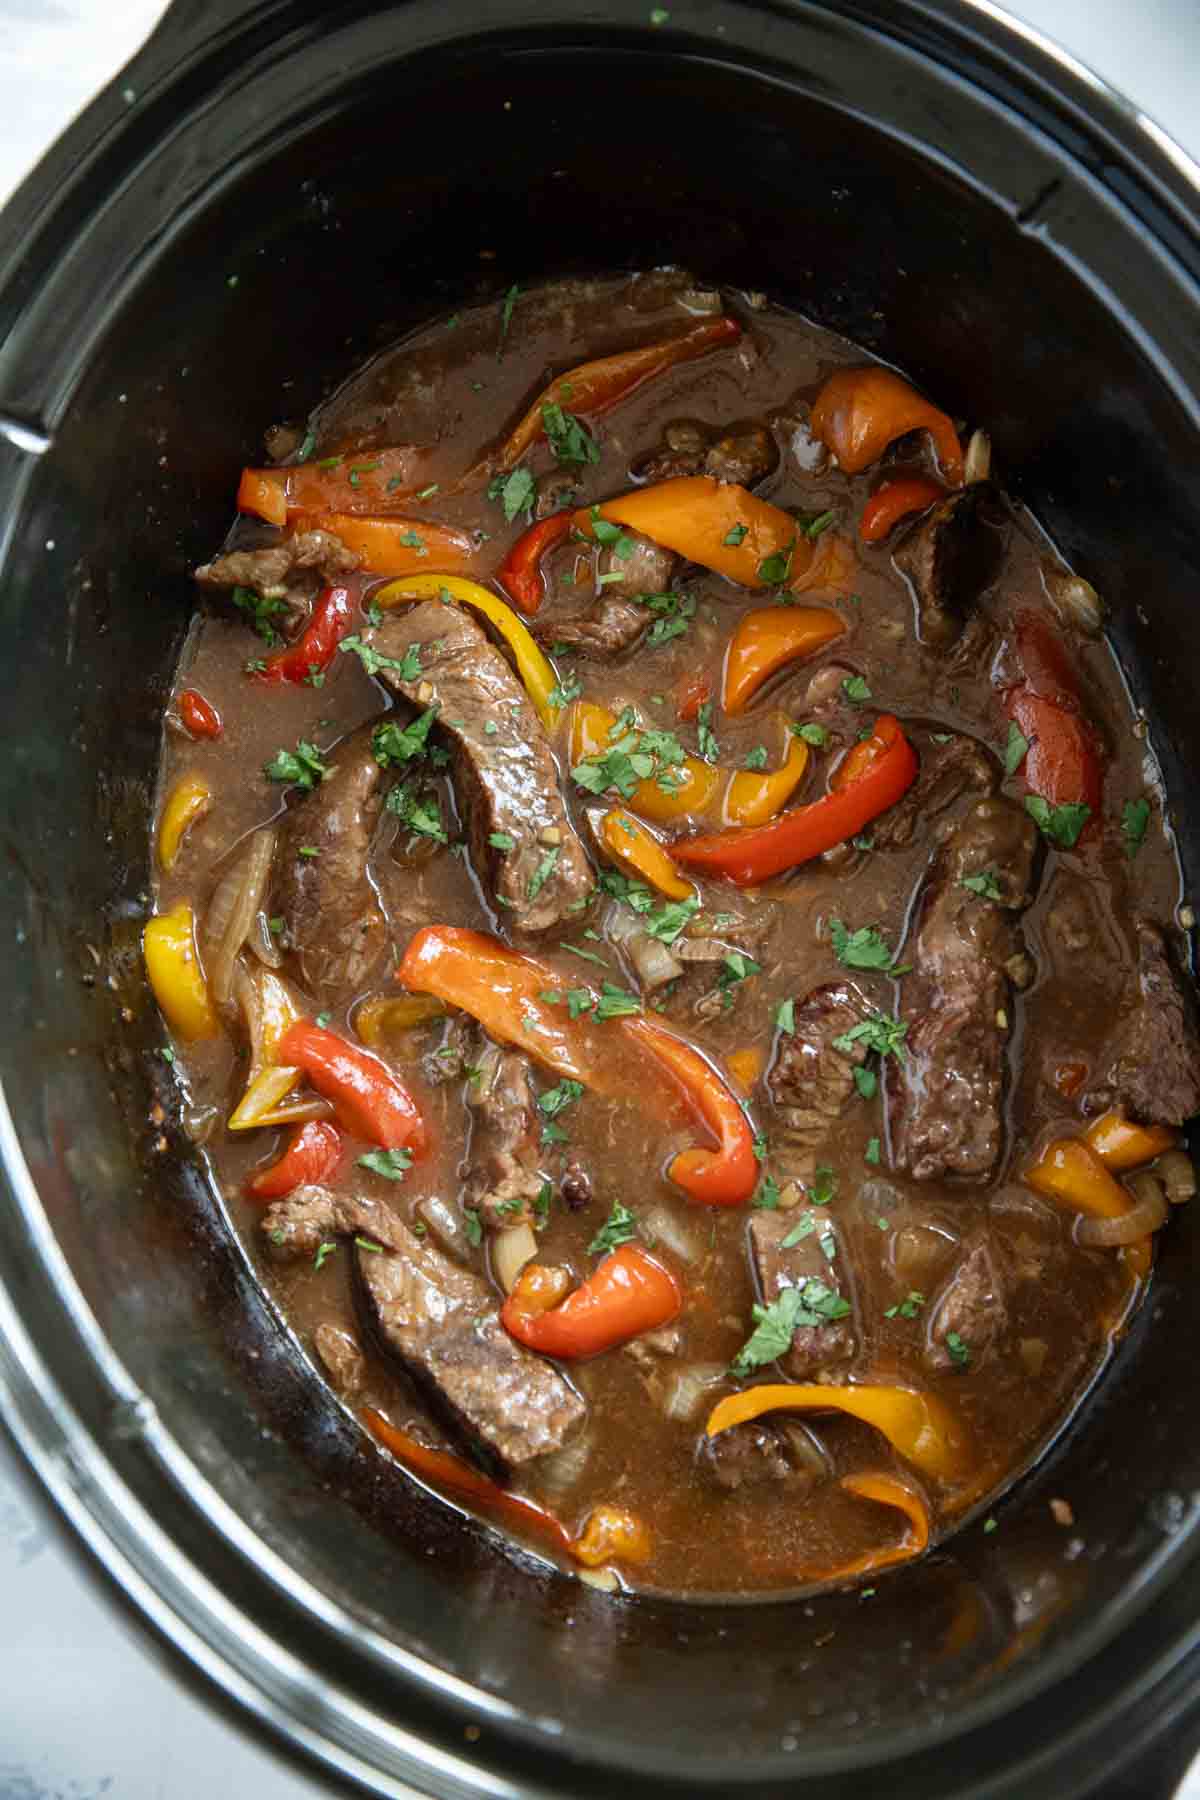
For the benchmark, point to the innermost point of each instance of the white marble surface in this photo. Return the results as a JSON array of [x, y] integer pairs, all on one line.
[[88, 1707]]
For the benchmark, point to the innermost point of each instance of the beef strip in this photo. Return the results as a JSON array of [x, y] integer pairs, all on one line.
[[945, 1094], [555, 492], [811, 1082], [744, 456], [959, 766], [504, 1179], [504, 777], [331, 913], [757, 1454], [814, 1348], [450, 1057], [616, 620], [290, 571], [971, 1310], [296, 1226], [1151, 1064], [342, 1355], [949, 558], [442, 1323]]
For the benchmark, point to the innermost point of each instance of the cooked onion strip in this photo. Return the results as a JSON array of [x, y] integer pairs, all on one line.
[[238, 897], [511, 1250], [1177, 1175], [1146, 1215]]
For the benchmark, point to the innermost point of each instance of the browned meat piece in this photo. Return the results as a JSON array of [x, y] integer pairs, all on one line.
[[814, 1347], [291, 571], [950, 558], [504, 1179], [682, 453], [331, 914], [301, 1222], [575, 1188], [555, 492], [342, 1355], [970, 1315], [451, 1055], [743, 457], [610, 627], [947, 771], [504, 773], [945, 1095], [751, 1456], [1072, 924], [645, 568], [1151, 1067], [616, 620], [443, 1324], [811, 1082]]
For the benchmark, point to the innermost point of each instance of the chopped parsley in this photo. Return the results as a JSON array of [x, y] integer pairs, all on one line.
[[1135, 816], [408, 667], [756, 758], [736, 967], [412, 541], [260, 611], [775, 569], [822, 1189], [616, 1003], [543, 872], [710, 750], [1014, 750], [473, 1226], [500, 840], [856, 689], [506, 313], [564, 691], [541, 1206], [591, 956], [984, 884], [814, 1304], [735, 534], [675, 613], [867, 1083], [619, 1228], [302, 767], [767, 1194], [861, 949], [667, 921], [570, 440], [872, 1153], [633, 756], [514, 492], [881, 1032], [167, 1054], [864, 841], [816, 735], [393, 1165], [760, 1149], [323, 1019], [324, 1252], [785, 1017], [804, 1227], [426, 493], [369, 1244], [557, 1099], [418, 813], [395, 745], [907, 1308], [307, 447], [960, 1353], [818, 523], [1061, 824], [624, 888]]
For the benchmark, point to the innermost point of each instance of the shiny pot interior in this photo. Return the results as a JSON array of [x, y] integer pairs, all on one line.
[[284, 193]]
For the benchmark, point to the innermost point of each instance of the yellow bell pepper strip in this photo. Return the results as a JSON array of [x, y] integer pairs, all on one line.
[[534, 668], [188, 801], [637, 850], [394, 546], [694, 783], [378, 1020], [919, 1427], [728, 1175], [859, 412], [265, 1099], [884, 1490], [745, 1066], [718, 524], [768, 639], [1070, 1172], [752, 799], [595, 386], [1121, 1145], [173, 967], [358, 481]]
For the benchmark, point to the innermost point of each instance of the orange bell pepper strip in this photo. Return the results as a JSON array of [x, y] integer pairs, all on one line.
[[454, 1478], [368, 1100], [595, 386], [313, 1154], [833, 569], [395, 546], [920, 1427], [1070, 1172], [628, 1293], [637, 850], [198, 716], [718, 524], [357, 481], [745, 1066], [859, 412], [613, 1534], [752, 798], [728, 1175], [748, 855], [768, 639], [1120, 1144], [520, 574], [884, 1490], [695, 783], [894, 501], [862, 757]]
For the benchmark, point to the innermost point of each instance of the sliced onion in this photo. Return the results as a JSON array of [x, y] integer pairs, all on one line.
[[238, 896], [262, 941], [660, 1226], [684, 1392], [560, 1471], [511, 1250], [977, 464], [443, 1221], [1147, 1214], [654, 963], [1174, 1169], [706, 301], [1076, 600]]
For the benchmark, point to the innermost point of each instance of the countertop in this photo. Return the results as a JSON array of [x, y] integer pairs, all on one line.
[[91, 1707]]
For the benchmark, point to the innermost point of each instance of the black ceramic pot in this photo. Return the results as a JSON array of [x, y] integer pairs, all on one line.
[[270, 191]]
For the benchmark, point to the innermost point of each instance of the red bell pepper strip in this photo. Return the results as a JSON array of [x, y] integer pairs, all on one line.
[[358, 481], [199, 717], [859, 412], [1063, 761], [595, 386], [628, 1293], [313, 651], [750, 854], [312, 1155], [728, 1175], [691, 695], [893, 502], [367, 1099], [520, 573], [459, 1480]]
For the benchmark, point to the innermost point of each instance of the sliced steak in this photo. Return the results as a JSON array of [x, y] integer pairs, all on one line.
[[949, 559], [970, 1314], [504, 773], [959, 766], [608, 629], [504, 1179], [1151, 1066], [753, 1455], [946, 1093], [811, 1082], [682, 452], [616, 620], [322, 889], [342, 1355], [296, 1226], [291, 571], [743, 457], [555, 492], [443, 1325], [814, 1347]]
